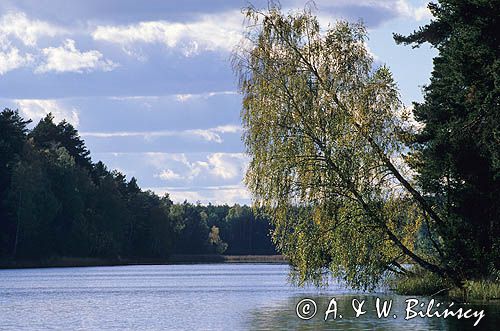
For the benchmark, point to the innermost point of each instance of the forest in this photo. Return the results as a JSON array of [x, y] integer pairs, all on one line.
[[56, 202]]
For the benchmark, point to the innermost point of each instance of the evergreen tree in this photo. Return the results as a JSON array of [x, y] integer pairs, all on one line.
[[457, 155], [48, 134], [55, 203], [33, 206], [13, 134]]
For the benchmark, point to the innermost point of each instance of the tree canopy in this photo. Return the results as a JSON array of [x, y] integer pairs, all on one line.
[[456, 154], [327, 137], [55, 202]]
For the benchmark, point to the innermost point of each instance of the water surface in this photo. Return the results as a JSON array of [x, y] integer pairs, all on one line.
[[190, 297]]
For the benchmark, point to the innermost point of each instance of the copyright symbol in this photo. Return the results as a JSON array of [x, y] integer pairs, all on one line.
[[306, 309]]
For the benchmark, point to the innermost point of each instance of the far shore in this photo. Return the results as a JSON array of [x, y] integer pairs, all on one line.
[[62, 262]]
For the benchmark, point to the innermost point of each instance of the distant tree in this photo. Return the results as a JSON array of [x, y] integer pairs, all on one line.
[[55, 202], [239, 222], [244, 230], [216, 215], [149, 233], [72, 188], [13, 132], [132, 187], [33, 206], [190, 223], [46, 134], [215, 241], [108, 217], [99, 172]]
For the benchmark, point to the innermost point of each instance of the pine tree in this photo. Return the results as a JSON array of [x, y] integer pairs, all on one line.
[[457, 155]]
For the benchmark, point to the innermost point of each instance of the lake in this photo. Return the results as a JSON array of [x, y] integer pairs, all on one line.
[[195, 297]]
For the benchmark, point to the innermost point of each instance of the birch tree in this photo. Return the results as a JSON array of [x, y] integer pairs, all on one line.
[[325, 131]]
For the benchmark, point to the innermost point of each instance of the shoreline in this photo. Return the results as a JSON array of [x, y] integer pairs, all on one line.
[[72, 262]]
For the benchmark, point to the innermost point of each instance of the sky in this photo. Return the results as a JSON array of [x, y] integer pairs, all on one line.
[[149, 85]]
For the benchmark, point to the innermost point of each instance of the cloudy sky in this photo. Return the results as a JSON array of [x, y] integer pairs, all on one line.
[[149, 86]]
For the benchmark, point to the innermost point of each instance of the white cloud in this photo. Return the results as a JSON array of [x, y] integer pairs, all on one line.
[[188, 97], [227, 165], [179, 196], [135, 52], [11, 59], [209, 32], [67, 58], [178, 97], [183, 97], [228, 128], [210, 134], [135, 98], [215, 166], [204, 177], [113, 134], [399, 8], [36, 109], [422, 13], [225, 194], [27, 31], [404, 8], [157, 159], [169, 175]]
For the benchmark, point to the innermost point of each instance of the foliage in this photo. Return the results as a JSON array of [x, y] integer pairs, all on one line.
[[12, 139], [241, 220], [215, 240], [480, 290], [325, 130], [54, 202], [421, 282], [456, 154]]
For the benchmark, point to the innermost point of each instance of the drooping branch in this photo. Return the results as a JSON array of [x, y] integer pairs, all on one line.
[[384, 158], [374, 216], [311, 124]]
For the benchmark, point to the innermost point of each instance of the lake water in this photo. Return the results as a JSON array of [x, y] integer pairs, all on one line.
[[193, 297]]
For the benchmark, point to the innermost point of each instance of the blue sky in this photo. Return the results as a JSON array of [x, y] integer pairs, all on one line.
[[149, 86]]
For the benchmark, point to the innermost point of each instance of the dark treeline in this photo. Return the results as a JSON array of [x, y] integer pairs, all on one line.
[[55, 202]]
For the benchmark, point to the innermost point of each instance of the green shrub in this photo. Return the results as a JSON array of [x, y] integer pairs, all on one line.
[[428, 284], [477, 290], [421, 283]]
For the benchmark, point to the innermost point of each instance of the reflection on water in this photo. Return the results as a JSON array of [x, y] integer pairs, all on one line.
[[189, 297], [282, 316]]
